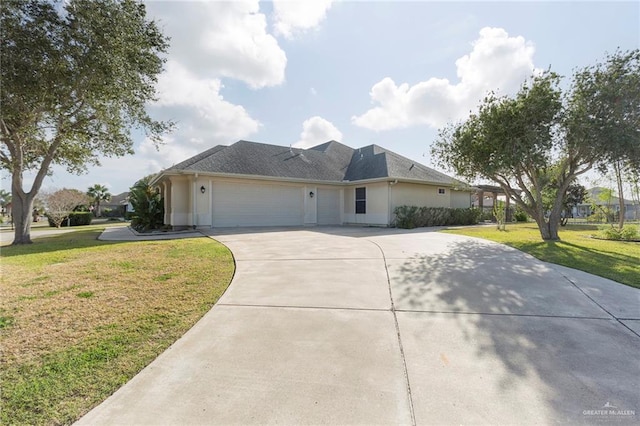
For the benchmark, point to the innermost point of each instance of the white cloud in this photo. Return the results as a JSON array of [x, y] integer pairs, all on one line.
[[295, 17], [204, 117], [497, 62], [317, 130], [170, 152], [313, 91], [222, 39]]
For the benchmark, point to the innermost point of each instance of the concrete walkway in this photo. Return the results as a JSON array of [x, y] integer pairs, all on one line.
[[121, 232], [7, 234], [383, 326]]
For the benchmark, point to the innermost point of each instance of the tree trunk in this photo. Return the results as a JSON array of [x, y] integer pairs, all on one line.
[[548, 228], [618, 171], [22, 209], [552, 225]]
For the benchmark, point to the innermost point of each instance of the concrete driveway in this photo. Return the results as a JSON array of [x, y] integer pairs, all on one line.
[[382, 326]]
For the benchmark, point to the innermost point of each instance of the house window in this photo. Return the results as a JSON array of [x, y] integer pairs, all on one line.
[[361, 200], [440, 191]]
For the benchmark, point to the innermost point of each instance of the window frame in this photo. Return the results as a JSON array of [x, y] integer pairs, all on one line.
[[361, 203], [442, 191]]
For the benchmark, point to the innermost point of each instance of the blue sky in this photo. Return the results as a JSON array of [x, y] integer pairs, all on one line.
[[389, 73]]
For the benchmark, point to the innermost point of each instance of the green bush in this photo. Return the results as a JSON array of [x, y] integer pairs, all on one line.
[[610, 233], [75, 219], [406, 216], [81, 218], [486, 215], [628, 233], [520, 216], [117, 212], [409, 217], [148, 206]]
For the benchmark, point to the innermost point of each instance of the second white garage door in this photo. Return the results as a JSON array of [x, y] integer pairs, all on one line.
[[329, 206], [243, 204]]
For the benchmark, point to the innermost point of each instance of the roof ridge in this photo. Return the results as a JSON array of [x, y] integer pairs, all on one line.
[[198, 157], [327, 144], [416, 163]]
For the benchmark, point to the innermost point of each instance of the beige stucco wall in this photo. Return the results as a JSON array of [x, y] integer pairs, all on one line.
[[202, 202], [180, 201], [460, 199], [188, 206], [185, 204], [412, 194], [377, 204]]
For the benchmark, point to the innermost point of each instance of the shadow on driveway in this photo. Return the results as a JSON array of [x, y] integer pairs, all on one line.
[[493, 335]]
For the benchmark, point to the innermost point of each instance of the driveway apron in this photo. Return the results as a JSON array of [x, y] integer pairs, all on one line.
[[382, 326]]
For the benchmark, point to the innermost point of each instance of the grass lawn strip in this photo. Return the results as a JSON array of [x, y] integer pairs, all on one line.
[[616, 260], [82, 316]]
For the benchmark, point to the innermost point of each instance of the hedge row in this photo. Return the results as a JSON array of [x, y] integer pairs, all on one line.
[[75, 219], [409, 217]]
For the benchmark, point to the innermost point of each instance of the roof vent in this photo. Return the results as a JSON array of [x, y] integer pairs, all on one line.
[[305, 159]]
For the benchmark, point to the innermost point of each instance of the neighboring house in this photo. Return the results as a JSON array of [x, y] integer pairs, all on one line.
[[255, 184], [631, 209], [117, 203]]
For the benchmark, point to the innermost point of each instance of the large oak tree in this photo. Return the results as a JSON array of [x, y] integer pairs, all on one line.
[[75, 78], [539, 142], [514, 142]]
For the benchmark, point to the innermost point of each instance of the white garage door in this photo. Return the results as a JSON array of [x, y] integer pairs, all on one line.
[[328, 206], [242, 204]]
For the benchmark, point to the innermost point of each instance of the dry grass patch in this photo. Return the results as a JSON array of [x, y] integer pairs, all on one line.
[[82, 316]]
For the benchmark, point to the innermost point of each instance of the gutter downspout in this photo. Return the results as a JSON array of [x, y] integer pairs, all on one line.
[[194, 202], [391, 184]]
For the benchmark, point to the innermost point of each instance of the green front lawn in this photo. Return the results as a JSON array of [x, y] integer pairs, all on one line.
[[616, 260], [80, 317]]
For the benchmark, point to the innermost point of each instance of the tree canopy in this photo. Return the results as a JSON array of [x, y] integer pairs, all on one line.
[[75, 79], [604, 113], [539, 141]]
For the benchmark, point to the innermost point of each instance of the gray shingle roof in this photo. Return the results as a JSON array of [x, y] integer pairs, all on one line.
[[330, 161]]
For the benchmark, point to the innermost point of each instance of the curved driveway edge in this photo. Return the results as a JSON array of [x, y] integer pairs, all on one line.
[[383, 326]]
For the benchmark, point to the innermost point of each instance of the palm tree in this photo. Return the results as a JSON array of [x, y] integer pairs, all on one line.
[[98, 193], [5, 199]]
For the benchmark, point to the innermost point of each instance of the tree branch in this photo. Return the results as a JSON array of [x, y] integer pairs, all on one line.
[[46, 162]]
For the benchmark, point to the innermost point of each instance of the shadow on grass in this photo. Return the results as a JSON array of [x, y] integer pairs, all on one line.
[[605, 263], [557, 353]]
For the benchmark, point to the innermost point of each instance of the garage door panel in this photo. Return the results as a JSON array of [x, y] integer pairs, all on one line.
[[328, 206], [242, 204]]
